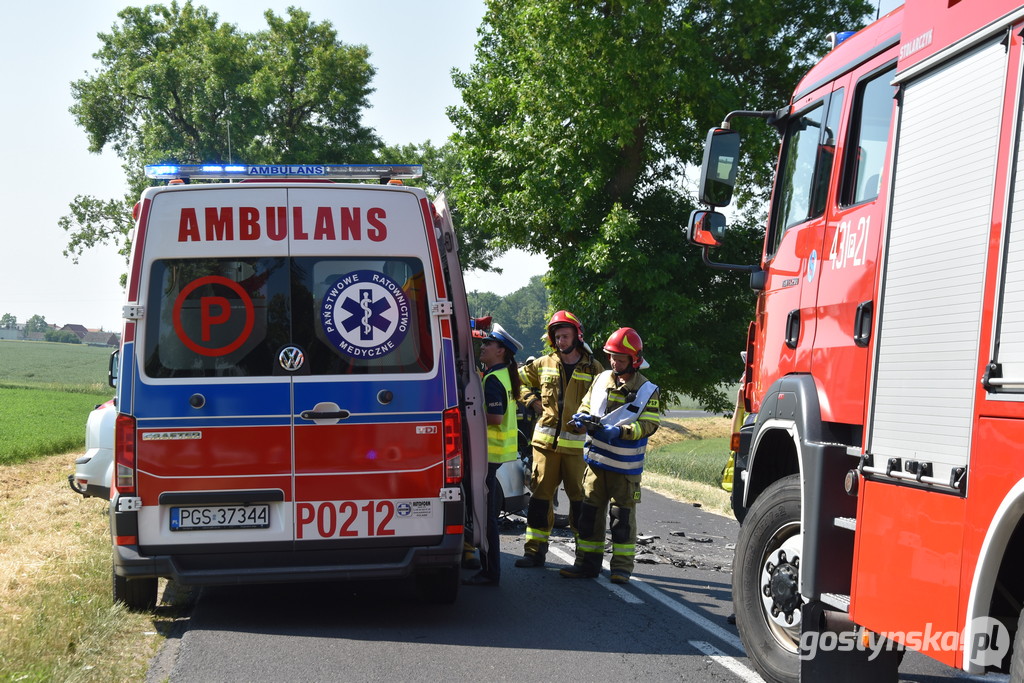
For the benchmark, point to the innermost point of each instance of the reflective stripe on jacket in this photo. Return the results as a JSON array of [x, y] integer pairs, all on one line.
[[637, 421], [502, 440], [543, 381]]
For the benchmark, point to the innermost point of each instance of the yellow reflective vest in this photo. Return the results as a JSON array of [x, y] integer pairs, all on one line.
[[502, 440]]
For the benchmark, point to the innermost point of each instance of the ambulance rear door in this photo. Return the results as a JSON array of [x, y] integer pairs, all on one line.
[[375, 377]]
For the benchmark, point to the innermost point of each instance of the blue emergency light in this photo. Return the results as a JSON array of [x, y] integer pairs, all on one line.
[[237, 171]]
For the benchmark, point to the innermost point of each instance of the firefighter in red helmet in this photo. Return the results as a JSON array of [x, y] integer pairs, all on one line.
[[620, 413], [553, 386]]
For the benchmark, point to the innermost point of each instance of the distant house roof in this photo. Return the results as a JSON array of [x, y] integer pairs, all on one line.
[[79, 330], [101, 338]]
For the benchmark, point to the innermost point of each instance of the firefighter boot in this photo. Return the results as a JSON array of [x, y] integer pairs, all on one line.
[[623, 532], [534, 559], [587, 566], [538, 530], [588, 553], [469, 558]]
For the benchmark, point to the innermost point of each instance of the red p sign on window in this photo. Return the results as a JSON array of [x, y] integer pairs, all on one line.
[[214, 311]]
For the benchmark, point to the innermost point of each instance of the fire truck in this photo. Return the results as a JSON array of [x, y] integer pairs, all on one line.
[[880, 483]]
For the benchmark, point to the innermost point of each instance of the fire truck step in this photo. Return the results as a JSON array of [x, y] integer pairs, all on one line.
[[845, 523], [837, 600]]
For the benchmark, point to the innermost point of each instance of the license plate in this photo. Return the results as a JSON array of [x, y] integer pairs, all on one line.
[[220, 517]]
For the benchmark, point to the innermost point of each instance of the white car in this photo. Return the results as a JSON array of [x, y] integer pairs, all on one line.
[[94, 470]]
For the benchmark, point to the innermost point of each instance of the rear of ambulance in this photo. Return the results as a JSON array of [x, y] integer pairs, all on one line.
[[289, 405]]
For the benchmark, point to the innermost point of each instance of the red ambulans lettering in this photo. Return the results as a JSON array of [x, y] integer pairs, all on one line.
[[229, 223], [344, 519]]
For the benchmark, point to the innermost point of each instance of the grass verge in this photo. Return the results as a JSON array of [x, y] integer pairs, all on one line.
[[685, 458], [38, 421], [57, 619]]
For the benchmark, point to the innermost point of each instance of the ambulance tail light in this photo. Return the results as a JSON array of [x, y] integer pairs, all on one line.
[[124, 455], [452, 446]]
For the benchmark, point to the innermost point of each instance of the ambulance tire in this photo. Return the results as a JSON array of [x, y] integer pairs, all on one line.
[[771, 520], [439, 586], [138, 595], [1017, 658]]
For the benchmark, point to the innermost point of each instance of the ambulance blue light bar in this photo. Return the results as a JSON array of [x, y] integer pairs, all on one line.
[[237, 171]]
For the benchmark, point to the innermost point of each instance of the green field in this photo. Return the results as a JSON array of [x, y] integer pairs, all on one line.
[[47, 391]]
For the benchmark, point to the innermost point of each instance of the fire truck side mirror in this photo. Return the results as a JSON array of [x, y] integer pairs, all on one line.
[[718, 170], [706, 228]]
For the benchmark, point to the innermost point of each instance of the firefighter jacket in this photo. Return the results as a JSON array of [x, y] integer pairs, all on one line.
[[502, 439], [560, 396], [633, 407]]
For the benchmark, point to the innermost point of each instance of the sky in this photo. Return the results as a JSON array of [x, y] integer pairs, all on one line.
[[414, 45]]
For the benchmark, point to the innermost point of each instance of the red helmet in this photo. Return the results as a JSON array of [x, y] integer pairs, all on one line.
[[564, 318], [626, 341]]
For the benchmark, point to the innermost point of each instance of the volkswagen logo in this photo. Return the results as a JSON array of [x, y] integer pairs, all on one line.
[[291, 358]]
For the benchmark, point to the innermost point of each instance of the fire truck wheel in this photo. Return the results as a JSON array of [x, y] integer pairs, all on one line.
[[138, 595], [1017, 658], [765, 579], [440, 586]]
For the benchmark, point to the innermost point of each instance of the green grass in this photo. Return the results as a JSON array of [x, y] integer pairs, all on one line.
[[69, 366], [699, 460], [40, 422], [47, 391]]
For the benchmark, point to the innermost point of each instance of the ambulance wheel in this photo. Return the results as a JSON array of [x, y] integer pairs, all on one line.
[[440, 586], [765, 581], [138, 595]]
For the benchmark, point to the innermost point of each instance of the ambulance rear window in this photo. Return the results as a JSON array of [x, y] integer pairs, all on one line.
[[234, 317]]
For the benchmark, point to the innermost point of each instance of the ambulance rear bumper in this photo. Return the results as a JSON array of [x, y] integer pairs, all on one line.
[[250, 565]]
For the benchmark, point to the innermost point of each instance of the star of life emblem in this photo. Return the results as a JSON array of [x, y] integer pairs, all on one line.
[[365, 314]]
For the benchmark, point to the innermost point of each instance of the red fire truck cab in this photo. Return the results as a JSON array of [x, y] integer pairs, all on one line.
[[881, 490]]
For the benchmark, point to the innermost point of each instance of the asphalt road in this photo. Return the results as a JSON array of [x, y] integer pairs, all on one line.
[[670, 623]]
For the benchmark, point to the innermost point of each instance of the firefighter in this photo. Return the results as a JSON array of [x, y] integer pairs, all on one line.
[[553, 386], [501, 385], [627, 404]]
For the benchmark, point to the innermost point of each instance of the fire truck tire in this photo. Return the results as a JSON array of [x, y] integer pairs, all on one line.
[[767, 564], [1017, 658], [439, 586], [138, 595]]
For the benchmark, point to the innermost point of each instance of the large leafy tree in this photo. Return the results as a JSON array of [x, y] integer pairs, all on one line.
[[581, 121], [523, 313], [176, 84]]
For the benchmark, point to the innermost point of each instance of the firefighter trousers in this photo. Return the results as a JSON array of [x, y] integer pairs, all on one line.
[[616, 495], [551, 468]]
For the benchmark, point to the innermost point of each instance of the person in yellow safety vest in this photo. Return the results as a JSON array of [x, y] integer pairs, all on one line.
[[627, 404], [553, 386], [501, 386]]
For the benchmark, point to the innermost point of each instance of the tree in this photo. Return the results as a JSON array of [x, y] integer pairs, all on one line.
[[579, 125], [36, 323], [523, 313], [174, 84], [61, 336], [8, 321], [440, 171]]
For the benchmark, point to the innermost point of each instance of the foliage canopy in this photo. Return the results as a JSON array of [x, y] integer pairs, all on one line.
[[175, 84], [579, 124]]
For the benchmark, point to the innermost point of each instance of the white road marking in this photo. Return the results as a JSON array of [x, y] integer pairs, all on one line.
[[730, 663]]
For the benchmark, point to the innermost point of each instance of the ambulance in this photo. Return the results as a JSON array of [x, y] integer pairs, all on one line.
[[296, 398]]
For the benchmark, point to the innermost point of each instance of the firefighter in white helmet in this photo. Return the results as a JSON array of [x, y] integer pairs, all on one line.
[[553, 386], [620, 413]]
